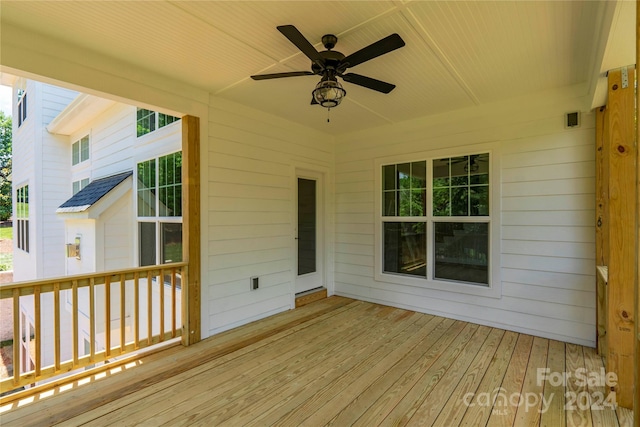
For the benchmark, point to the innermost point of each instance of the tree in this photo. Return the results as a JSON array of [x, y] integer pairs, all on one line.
[[5, 166]]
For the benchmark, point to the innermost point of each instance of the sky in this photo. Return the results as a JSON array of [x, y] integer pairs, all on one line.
[[5, 100]]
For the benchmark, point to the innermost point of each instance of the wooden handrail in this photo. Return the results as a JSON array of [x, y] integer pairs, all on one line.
[[94, 309], [83, 279]]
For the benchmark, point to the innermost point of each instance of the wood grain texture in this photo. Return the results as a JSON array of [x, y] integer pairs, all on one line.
[[636, 405], [577, 414], [529, 413], [554, 392], [602, 186], [191, 229], [602, 304], [335, 362], [504, 413], [600, 413], [622, 240], [310, 297], [602, 222]]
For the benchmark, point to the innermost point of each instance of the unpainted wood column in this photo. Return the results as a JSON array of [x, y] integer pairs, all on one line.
[[191, 248], [602, 225], [636, 409], [622, 233]]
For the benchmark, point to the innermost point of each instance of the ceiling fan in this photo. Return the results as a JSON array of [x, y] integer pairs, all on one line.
[[330, 64]]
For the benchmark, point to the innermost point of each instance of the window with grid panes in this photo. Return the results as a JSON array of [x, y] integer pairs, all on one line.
[[148, 120], [80, 151], [22, 218], [79, 185], [22, 107], [447, 227], [159, 208]]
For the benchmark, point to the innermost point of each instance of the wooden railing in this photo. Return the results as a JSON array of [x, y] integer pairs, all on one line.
[[64, 324]]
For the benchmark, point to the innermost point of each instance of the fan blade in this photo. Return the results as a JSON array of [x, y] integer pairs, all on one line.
[[386, 45], [296, 37], [281, 75], [368, 82]]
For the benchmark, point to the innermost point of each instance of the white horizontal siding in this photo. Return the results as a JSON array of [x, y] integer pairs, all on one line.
[[251, 161], [54, 100], [118, 231], [24, 158], [547, 201], [549, 233], [112, 137], [53, 185]]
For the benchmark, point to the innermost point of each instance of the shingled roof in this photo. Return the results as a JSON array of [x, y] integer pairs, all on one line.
[[93, 192]]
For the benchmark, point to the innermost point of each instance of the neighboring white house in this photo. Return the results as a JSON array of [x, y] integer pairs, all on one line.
[[97, 186]]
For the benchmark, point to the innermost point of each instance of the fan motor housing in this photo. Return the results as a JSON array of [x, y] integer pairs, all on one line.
[[332, 60]]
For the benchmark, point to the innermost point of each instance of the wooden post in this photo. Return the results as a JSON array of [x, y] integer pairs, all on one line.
[[18, 330], [191, 249], [636, 409], [38, 319], [107, 315], [123, 317], [602, 225], [75, 328], [622, 235], [92, 319]]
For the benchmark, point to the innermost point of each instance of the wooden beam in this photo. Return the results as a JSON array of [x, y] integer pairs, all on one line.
[[622, 239], [636, 408], [191, 248], [602, 225], [602, 187]]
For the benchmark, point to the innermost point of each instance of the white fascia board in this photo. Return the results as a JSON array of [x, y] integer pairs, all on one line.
[[80, 111], [73, 209]]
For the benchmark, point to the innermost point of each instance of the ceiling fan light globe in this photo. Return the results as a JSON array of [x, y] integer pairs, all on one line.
[[329, 93]]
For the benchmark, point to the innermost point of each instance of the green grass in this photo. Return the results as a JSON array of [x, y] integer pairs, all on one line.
[[6, 233], [6, 262], [6, 259]]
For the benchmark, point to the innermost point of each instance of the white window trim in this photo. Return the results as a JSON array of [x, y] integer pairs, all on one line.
[[23, 242], [79, 181], [81, 163], [494, 289]]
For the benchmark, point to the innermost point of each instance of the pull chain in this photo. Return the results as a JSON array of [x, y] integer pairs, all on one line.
[[328, 114]]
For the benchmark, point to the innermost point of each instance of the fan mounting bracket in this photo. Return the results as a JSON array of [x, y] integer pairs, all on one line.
[[329, 41]]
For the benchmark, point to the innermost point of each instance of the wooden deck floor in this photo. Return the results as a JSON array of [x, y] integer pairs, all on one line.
[[341, 362]]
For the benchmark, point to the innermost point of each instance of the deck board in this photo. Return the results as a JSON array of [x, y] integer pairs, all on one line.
[[554, 392], [452, 412], [337, 362]]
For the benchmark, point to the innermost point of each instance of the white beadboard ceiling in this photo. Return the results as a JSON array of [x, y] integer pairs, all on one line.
[[458, 53]]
